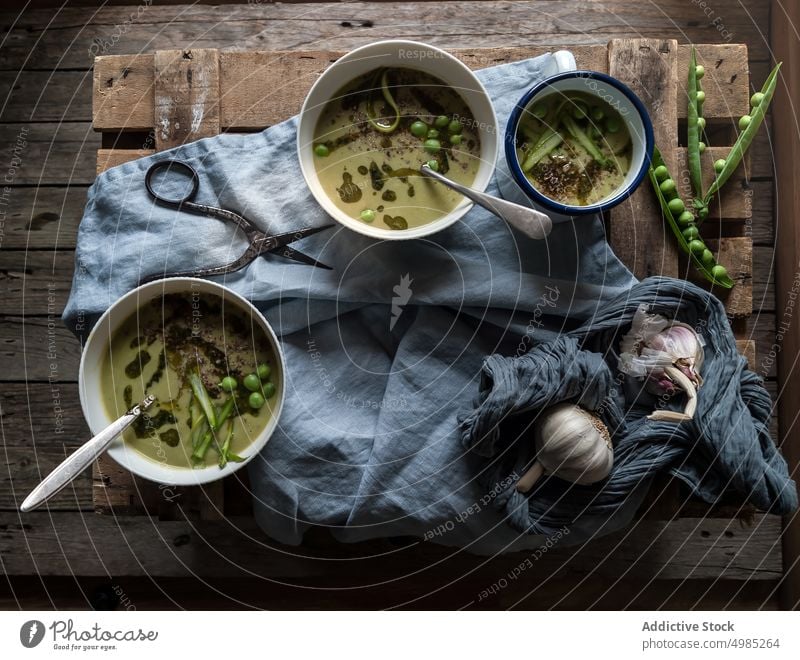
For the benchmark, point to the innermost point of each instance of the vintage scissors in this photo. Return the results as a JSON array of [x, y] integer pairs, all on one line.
[[260, 242]]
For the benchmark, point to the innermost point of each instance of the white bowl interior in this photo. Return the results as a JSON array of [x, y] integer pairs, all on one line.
[[90, 381], [411, 55], [617, 100]]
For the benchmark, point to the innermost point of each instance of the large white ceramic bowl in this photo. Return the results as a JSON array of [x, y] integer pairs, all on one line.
[[410, 55], [90, 385]]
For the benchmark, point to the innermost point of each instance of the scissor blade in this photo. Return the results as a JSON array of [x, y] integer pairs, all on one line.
[[291, 253], [279, 240]]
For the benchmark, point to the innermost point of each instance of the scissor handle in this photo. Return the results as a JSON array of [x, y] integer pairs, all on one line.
[[179, 166]]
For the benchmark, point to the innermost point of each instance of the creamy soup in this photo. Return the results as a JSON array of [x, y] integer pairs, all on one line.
[[211, 369], [574, 148], [375, 134]]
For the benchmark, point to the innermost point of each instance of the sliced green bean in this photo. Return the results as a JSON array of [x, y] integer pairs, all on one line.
[[548, 141], [200, 393], [710, 270], [693, 129], [746, 137], [584, 140]]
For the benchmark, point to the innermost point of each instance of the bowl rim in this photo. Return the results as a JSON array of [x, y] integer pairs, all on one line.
[[429, 228], [182, 476], [516, 170]]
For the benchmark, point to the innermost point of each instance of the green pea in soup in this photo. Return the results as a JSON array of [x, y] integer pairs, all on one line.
[[372, 138]]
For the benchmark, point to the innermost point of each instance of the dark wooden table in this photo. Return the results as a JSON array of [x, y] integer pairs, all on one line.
[[678, 554]]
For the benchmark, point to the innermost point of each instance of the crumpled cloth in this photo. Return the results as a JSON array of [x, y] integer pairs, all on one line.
[[383, 352], [726, 449]]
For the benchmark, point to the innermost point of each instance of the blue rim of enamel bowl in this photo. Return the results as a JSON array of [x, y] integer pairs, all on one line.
[[522, 180]]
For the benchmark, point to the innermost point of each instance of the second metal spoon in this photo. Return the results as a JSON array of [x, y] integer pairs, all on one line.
[[530, 222]]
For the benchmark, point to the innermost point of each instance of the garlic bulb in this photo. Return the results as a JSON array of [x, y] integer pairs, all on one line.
[[571, 444], [667, 355]]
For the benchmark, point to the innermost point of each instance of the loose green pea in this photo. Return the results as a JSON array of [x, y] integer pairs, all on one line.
[[432, 134], [455, 140], [744, 122], [256, 401], [455, 126], [718, 272], [419, 129], [756, 99], [269, 390], [229, 384], [432, 146], [441, 121], [613, 124], [252, 382], [661, 172], [719, 165], [701, 123], [685, 219], [539, 111], [702, 214], [701, 96], [597, 113], [701, 147], [690, 233], [697, 247], [322, 151], [434, 165], [676, 206], [668, 186], [707, 257], [263, 371], [699, 71], [367, 215]]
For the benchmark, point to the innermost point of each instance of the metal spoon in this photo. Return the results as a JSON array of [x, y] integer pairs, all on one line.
[[82, 458], [530, 222]]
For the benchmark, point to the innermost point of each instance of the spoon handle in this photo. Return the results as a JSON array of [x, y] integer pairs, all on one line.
[[529, 221], [82, 458]]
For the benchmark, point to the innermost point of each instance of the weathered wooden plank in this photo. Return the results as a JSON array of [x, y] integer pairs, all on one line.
[[186, 96], [46, 96], [637, 232], [31, 417], [49, 153], [70, 41], [43, 217], [736, 254], [100, 545], [261, 88], [566, 592], [726, 83], [22, 468], [108, 158]]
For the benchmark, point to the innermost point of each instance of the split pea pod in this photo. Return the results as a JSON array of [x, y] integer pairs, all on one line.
[[759, 107], [693, 114], [688, 238]]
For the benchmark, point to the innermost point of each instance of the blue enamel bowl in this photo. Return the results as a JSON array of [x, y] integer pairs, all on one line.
[[619, 97]]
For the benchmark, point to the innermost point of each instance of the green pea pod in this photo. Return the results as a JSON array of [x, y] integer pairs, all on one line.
[[746, 136], [725, 282], [548, 141], [693, 130], [585, 141]]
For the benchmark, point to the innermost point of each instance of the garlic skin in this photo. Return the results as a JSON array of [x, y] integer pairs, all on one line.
[[667, 355], [571, 444]]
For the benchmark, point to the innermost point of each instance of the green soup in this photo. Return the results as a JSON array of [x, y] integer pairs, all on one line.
[[372, 138], [574, 148], [211, 369]]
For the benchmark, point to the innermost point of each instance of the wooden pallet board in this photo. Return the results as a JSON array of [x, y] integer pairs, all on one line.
[[247, 91]]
